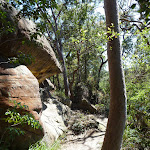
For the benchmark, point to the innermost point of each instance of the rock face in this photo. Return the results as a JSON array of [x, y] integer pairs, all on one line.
[[18, 84], [45, 63], [81, 99], [53, 118], [81, 92]]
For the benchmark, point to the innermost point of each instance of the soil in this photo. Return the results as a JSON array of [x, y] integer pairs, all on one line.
[[91, 139]]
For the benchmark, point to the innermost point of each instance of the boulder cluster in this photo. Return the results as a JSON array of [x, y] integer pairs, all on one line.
[[25, 63]]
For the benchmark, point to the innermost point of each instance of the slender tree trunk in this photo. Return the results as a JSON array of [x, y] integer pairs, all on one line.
[[117, 110], [59, 46], [85, 69], [99, 71], [53, 80], [64, 70], [66, 82], [58, 83], [79, 69], [86, 65], [71, 84]]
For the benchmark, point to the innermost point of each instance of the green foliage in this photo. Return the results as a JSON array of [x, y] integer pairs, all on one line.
[[15, 122], [9, 135], [131, 138], [15, 118], [42, 146], [83, 37], [111, 33], [83, 123], [133, 6], [103, 94], [78, 127], [84, 48], [60, 93], [138, 119], [23, 59], [143, 9], [56, 145], [39, 146], [138, 92], [6, 26]]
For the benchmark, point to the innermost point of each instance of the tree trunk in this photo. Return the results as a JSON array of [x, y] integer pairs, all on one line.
[[71, 84], [64, 70], [85, 69], [59, 47], [58, 83], [66, 83], [117, 111], [79, 69], [99, 71], [53, 80]]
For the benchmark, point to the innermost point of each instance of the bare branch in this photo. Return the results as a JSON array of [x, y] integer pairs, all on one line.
[[59, 13], [126, 20], [54, 17], [140, 29], [68, 54]]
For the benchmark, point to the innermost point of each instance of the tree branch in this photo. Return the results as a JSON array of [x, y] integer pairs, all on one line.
[[126, 20]]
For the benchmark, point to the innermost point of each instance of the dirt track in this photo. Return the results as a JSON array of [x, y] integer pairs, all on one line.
[[89, 140]]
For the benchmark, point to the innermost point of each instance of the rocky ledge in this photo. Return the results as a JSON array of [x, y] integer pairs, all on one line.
[[45, 63]]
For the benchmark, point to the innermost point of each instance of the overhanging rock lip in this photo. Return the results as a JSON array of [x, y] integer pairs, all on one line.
[[39, 48]]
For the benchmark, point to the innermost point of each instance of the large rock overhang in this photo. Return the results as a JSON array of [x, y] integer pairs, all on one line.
[[45, 63]]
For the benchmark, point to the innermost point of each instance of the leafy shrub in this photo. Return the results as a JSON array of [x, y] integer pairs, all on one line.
[[60, 94], [82, 123], [131, 138], [38, 146], [42, 145], [15, 120], [137, 130], [23, 59], [78, 127]]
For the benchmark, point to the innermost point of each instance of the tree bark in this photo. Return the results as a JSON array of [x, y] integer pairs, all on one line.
[[58, 83], [59, 47], [71, 84], [79, 69], [117, 110], [85, 69], [64, 70], [99, 71]]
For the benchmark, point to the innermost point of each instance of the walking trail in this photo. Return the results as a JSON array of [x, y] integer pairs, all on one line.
[[89, 140]]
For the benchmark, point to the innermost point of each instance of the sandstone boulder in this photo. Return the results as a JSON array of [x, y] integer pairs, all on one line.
[[45, 62], [18, 84], [54, 117], [81, 92], [81, 99]]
